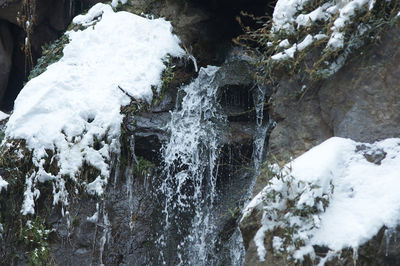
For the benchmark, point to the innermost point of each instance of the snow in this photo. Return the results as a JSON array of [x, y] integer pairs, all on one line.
[[3, 184], [287, 12], [279, 56], [259, 240], [77, 101], [92, 15], [3, 116], [285, 43], [284, 12], [288, 53], [363, 195], [305, 43], [95, 217], [277, 243], [318, 14]]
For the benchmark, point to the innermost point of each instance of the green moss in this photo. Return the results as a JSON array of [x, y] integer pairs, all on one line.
[[167, 78], [51, 53], [75, 220], [75, 27]]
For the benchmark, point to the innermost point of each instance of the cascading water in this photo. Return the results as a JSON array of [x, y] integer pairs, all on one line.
[[189, 174], [191, 225]]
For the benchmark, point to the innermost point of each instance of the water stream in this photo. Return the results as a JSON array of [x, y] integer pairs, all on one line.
[[189, 172], [189, 175]]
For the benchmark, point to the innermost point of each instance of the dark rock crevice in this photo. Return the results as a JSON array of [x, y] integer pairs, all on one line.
[[6, 52], [51, 19]]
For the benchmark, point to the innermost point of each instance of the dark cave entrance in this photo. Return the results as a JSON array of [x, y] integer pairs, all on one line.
[[214, 39]]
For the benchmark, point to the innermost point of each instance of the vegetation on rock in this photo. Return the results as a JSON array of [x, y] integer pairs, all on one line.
[[316, 41]]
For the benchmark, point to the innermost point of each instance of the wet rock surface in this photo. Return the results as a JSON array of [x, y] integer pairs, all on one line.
[[120, 229]]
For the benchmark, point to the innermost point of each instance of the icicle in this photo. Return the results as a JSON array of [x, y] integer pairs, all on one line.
[[388, 235], [355, 255], [106, 234], [191, 57], [262, 127]]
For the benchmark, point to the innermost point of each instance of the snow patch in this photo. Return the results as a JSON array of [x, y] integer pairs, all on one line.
[[92, 15], [305, 43], [72, 111], [285, 43]]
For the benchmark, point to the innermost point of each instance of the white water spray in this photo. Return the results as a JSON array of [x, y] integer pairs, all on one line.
[[190, 171]]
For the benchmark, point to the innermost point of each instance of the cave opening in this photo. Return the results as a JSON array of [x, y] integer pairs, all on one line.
[[214, 42]]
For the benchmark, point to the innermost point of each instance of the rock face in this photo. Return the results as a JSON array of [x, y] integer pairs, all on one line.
[[121, 229], [6, 51], [360, 102], [9, 10]]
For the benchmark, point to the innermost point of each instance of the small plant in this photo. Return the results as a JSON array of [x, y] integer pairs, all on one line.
[[35, 236], [167, 76], [142, 167], [292, 209]]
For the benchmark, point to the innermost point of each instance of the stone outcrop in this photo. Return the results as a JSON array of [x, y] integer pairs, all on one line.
[[361, 102]]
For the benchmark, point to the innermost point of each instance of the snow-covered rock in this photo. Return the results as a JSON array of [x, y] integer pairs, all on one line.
[[76, 103], [337, 195]]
